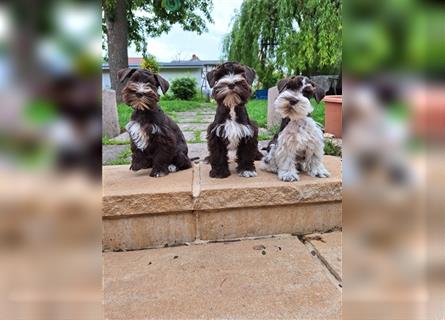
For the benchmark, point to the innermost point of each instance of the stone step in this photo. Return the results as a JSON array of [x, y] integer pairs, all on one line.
[[143, 212], [250, 279]]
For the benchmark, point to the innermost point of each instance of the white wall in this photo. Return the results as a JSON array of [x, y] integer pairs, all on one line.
[[168, 74]]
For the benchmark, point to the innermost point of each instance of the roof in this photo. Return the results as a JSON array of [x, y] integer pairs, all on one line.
[[135, 62]]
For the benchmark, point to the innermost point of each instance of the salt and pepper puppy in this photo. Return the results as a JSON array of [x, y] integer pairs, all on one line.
[[299, 146], [232, 128], [300, 84], [156, 140]]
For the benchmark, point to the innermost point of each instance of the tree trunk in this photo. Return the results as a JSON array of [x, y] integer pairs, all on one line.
[[117, 40]]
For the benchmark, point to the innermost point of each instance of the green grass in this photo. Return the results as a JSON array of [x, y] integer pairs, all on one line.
[[197, 137], [257, 110], [108, 141], [264, 136], [121, 159]]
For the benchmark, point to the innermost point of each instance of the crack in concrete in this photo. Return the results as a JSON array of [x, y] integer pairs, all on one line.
[[330, 271]]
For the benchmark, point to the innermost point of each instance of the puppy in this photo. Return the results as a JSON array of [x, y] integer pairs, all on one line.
[[299, 146], [232, 128], [156, 141], [300, 84]]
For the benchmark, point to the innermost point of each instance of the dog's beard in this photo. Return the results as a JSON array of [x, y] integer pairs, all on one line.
[[231, 100], [146, 102], [297, 111]]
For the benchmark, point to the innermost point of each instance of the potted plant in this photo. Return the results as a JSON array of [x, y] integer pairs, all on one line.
[[333, 115]]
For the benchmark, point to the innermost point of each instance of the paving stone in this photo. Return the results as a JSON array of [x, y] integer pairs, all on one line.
[[204, 135], [189, 135], [198, 150], [220, 281], [123, 137], [266, 189], [329, 245], [111, 152], [193, 126]]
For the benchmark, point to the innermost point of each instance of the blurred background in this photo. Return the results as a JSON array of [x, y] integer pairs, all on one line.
[[393, 70], [393, 159], [50, 161]]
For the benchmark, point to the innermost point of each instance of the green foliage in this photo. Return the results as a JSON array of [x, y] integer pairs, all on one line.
[[331, 149], [286, 37], [257, 110], [152, 18], [122, 158], [184, 88], [150, 63]]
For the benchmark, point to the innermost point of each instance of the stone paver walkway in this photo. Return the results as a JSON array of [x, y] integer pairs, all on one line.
[[194, 127], [273, 278]]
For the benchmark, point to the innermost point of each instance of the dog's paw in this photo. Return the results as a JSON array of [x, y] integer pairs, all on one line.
[[172, 168], [247, 173], [319, 172], [219, 174], [157, 173], [135, 167], [288, 176]]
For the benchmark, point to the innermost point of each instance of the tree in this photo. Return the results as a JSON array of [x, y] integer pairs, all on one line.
[[286, 37], [128, 22]]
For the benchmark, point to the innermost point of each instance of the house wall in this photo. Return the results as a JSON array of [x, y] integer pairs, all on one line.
[[168, 74]]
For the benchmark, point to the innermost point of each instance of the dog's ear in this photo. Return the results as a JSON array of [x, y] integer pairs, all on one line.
[[319, 92], [124, 74], [163, 84], [211, 77], [250, 74], [281, 85]]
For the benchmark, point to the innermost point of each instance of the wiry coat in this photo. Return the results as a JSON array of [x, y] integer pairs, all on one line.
[[232, 129], [156, 140], [299, 146]]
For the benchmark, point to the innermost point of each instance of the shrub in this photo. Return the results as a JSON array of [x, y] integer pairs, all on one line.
[[149, 62], [184, 88]]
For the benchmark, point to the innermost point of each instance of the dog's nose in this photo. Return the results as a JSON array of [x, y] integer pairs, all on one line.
[[139, 95], [293, 101], [231, 85]]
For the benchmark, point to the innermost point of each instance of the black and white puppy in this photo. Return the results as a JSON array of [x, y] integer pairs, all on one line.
[[232, 129], [299, 145], [156, 140]]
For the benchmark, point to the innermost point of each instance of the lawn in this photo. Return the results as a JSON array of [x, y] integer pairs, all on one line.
[[257, 110], [170, 106]]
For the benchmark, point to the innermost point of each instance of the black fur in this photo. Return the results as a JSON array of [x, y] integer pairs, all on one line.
[[247, 151], [167, 144]]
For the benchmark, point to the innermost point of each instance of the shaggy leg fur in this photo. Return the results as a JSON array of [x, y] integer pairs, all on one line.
[[218, 158], [182, 161], [163, 157], [246, 154], [314, 167], [287, 170], [139, 160]]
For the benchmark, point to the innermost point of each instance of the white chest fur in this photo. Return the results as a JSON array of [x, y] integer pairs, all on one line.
[[233, 131], [139, 136]]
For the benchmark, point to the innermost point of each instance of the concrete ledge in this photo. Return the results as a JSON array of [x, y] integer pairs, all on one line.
[[142, 212]]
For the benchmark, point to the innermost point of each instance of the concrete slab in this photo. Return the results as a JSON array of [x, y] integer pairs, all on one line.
[[266, 189], [198, 150], [128, 193], [329, 246], [220, 281]]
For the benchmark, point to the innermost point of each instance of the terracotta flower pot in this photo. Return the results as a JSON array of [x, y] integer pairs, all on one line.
[[333, 115]]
